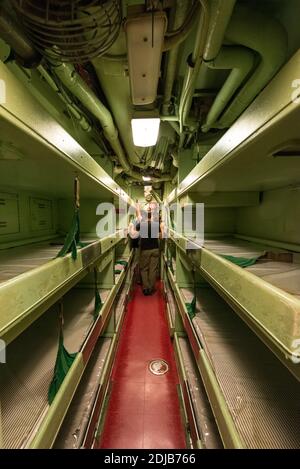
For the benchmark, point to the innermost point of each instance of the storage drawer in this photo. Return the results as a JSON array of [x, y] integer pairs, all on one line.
[[9, 213], [41, 214]]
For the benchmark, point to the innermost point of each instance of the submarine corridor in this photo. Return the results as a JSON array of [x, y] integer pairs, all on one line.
[[143, 409]]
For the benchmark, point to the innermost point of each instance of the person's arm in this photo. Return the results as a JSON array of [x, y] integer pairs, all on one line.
[[138, 211], [133, 233], [161, 230]]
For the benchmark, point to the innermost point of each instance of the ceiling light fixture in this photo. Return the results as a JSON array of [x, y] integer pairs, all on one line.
[[145, 131]]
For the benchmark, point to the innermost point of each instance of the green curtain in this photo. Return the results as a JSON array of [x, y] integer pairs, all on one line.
[[121, 262], [72, 238], [241, 261], [191, 308], [72, 241], [63, 363], [98, 301]]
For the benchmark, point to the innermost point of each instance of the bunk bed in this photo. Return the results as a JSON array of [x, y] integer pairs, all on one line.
[[252, 400], [260, 282], [27, 417], [254, 394], [32, 278], [39, 285]]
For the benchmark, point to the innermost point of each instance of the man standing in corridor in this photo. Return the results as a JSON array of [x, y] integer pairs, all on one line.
[[150, 232]]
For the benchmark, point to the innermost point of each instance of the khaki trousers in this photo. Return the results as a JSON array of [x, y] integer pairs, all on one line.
[[148, 267]]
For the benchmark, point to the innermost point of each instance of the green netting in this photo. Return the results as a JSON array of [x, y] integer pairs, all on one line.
[[72, 241], [241, 261], [98, 301], [122, 262], [72, 238], [191, 308], [63, 363]]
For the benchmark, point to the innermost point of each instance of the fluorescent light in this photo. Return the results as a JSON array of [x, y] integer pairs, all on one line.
[[146, 178], [145, 131]]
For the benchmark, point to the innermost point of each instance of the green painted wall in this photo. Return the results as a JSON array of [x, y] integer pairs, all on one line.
[[88, 217], [219, 220], [26, 217], [276, 218]]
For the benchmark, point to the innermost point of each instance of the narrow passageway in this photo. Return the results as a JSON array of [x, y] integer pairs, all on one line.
[[143, 410]]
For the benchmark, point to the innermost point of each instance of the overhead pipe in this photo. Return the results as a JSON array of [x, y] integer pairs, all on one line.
[[175, 126], [180, 13], [156, 197], [241, 61], [72, 108], [11, 32], [174, 156], [175, 38], [213, 23], [265, 35], [77, 86], [175, 181], [221, 12], [194, 62]]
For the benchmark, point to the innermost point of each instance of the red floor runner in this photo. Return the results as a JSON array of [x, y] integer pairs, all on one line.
[[143, 410]]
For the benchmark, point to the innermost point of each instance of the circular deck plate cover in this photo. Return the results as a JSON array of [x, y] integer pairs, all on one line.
[[158, 366]]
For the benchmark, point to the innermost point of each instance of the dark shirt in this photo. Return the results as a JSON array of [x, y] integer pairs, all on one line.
[[135, 242], [149, 235]]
